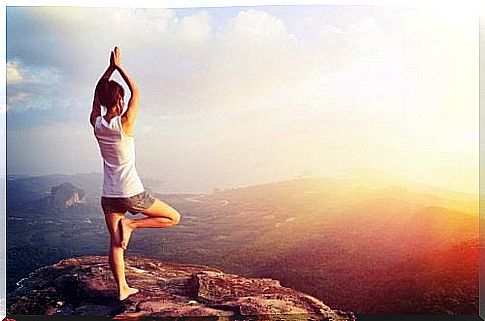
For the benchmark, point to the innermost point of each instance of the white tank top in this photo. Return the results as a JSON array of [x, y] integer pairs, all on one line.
[[118, 151]]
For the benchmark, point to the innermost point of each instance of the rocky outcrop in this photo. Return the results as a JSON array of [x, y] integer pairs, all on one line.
[[66, 195], [85, 286]]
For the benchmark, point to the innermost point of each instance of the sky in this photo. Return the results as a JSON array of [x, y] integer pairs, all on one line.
[[236, 96]]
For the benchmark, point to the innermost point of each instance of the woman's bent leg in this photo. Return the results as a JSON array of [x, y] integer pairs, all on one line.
[[160, 215]]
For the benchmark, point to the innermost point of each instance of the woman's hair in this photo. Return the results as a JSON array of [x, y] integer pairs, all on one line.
[[109, 92]]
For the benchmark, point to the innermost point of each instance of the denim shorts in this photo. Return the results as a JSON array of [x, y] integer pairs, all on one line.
[[133, 204]]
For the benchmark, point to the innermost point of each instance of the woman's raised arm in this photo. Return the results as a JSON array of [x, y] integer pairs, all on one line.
[[96, 109], [129, 116]]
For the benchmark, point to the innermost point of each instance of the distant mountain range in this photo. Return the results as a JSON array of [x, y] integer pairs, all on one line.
[[389, 248]]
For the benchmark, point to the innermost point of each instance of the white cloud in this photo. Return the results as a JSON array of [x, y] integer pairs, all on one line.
[[349, 87], [196, 27], [32, 87], [339, 47], [252, 56], [18, 73], [178, 62], [183, 63], [256, 23], [17, 97], [14, 75], [309, 21]]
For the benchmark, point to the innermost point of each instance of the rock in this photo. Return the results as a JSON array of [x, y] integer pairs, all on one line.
[[85, 286], [66, 195]]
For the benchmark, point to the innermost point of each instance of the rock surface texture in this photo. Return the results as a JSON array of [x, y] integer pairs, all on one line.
[[85, 286]]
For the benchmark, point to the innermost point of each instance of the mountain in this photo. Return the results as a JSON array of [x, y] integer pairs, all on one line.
[[391, 222], [27, 188], [316, 235], [325, 237], [438, 282], [66, 195], [86, 286]]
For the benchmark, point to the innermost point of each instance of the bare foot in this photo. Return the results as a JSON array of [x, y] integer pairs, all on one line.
[[123, 294], [126, 230]]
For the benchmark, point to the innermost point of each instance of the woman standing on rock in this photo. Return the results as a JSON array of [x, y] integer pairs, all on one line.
[[122, 188]]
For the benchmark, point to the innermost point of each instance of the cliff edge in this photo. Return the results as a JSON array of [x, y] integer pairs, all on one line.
[[85, 286]]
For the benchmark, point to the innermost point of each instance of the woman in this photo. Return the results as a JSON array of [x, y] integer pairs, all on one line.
[[122, 188]]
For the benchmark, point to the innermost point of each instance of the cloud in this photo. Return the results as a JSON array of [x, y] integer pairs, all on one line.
[[343, 46], [18, 73], [181, 62], [17, 97], [72, 44], [256, 23], [32, 87], [332, 85], [196, 27], [192, 61], [14, 75], [253, 55]]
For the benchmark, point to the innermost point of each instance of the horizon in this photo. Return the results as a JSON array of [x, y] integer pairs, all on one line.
[[359, 177], [233, 96]]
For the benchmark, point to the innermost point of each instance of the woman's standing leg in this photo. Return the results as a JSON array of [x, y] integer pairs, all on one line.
[[116, 255]]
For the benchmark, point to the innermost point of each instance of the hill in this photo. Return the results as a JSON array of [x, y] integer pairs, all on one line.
[[313, 234]]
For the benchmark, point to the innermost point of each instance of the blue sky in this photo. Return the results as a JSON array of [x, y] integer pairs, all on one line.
[[243, 95]]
